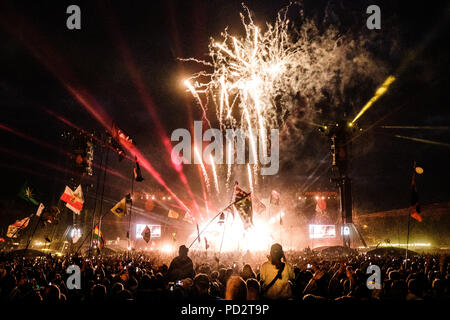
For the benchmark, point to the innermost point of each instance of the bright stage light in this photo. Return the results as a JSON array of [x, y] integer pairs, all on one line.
[[319, 231], [75, 233], [167, 248], [258, 237]]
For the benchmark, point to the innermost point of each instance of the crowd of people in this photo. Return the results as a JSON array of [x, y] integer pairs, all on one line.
[[291, 275]]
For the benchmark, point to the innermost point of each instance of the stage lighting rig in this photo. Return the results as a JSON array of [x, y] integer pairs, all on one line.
[[340, 136]]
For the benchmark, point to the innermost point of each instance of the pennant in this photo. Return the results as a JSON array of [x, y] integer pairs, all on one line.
[[173, 214], [275, 198], [321, 205], [26, 193], [243, 205], [15, 228], [146, 234], [137, 172], [120, 135], [206, 244], [258, 205], [39, 210], [414, 209], [188, 217], [74, 199], [98, 237], [120, 209]]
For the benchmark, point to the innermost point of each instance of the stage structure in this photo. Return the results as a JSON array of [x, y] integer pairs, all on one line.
[[341, 135]]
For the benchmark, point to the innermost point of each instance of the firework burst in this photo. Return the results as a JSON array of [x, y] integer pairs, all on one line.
[[257, 81]]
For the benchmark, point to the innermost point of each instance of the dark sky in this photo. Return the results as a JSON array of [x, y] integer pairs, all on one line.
[[40, 57]]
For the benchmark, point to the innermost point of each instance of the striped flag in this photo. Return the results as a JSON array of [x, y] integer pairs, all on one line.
[[98, 237], [74, 199]]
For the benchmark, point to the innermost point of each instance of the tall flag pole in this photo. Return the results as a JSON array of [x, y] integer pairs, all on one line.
[[93, 211], [131, 208], [104, 183], [414, 209]]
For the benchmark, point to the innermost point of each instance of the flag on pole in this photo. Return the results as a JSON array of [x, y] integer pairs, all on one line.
[[274, 198], [414, 209], [120, 208], [146, 234], [137, 172], [173, 214], [188, 217], [27, 194], [243, 205], [74, 199], [120, 135], [39, 210], [258, 205], [15, 228], [50, 215], [98, 237]]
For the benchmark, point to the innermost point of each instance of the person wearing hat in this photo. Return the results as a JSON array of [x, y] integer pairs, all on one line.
[[276, 276], [181, 267]]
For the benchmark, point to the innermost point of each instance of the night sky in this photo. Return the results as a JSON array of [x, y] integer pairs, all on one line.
[[40, 58]]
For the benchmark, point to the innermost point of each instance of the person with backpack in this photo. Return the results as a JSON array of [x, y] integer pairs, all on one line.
[[276, 276]]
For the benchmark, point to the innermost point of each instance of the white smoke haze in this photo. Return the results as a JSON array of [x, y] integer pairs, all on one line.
[[279, 75]]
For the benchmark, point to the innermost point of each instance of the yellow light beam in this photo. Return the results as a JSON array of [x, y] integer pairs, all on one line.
[[443, 144], [380, 91]]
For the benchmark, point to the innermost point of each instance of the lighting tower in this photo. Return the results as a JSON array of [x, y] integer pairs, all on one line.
[[340, 137]]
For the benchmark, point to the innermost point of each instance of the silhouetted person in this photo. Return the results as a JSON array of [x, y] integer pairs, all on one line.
[[181, 267]]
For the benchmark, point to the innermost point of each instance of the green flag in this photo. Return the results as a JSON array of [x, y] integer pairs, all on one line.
[[27, 194]]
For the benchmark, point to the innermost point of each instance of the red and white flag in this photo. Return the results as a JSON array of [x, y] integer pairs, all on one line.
[[74, 199]]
